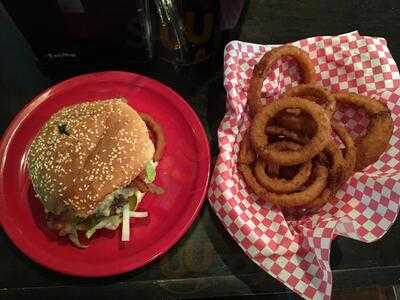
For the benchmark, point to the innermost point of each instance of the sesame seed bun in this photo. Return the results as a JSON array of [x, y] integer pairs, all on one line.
[[85, 152]]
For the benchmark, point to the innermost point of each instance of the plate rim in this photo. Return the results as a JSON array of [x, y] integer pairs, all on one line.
[[188, 114]]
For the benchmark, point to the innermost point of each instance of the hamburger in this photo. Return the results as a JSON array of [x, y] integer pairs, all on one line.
[[90, 166]]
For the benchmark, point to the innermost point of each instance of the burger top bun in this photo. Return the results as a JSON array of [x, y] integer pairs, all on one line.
[[86, 151]]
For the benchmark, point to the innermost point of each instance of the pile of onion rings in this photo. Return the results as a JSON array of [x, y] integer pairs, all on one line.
[[289, 155]]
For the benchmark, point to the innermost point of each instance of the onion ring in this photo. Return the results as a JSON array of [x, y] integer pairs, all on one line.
[[319, 174], [285, 133], [158, 132], [300, 123], [380, 129], [246, 152], [259, 138], [350, 151], [285, 146], [273, 169], [339, 168], [281, 185], [263, 66], [314, 93], [336, 168]]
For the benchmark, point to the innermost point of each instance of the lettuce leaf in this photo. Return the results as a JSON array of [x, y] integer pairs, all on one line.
[[132, 200], [150, 172], [111, 223]]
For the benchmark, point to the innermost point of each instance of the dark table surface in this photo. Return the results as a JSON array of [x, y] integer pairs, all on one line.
[[206, 262]]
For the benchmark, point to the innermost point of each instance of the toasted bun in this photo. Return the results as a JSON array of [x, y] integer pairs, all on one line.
[[85, 152]]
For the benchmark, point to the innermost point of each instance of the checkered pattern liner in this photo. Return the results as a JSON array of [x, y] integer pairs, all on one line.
[[296, 250]]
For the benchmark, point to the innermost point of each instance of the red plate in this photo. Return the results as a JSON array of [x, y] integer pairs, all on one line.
[[183, 172]]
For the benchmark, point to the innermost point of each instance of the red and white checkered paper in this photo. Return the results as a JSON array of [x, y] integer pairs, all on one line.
[[296, 251]]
